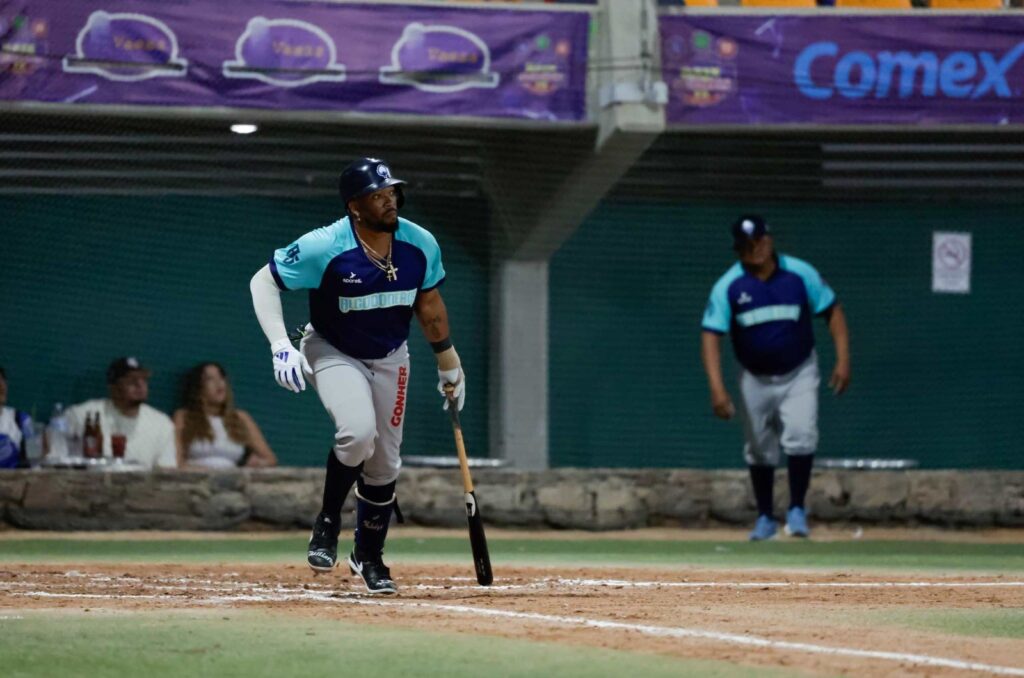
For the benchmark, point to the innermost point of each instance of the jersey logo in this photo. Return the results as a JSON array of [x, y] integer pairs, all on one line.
[[352, 278], [291, 256], [744, 298], [768, 314], [383, 170], [374, 301]]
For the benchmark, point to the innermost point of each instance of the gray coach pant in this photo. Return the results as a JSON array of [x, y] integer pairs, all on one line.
[[780, 411], [366, 400]]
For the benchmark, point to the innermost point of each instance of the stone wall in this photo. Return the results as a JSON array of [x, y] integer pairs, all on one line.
[[590, 499]]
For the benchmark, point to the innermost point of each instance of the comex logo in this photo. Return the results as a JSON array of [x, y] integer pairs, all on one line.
[[857, 74], [384, 171]]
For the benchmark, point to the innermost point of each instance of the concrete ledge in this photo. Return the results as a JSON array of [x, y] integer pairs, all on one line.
[[589, 499]]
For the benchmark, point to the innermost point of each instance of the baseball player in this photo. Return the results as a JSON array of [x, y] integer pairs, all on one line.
[[765, 302], [367, 274]]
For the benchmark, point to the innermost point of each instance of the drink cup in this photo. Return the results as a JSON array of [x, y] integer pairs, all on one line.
[[118, 442]]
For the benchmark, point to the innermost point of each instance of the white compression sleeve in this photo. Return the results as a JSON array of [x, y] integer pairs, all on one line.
[[266, 301]]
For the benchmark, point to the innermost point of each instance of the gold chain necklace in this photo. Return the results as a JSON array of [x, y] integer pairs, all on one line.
[[381, 262]]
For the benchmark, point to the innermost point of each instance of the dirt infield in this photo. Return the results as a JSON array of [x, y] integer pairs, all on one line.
[[813, 622]]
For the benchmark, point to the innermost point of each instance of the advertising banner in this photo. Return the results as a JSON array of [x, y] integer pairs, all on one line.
[[275, 54], [844, 69]]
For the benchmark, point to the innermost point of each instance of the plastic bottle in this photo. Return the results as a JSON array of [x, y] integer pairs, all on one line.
[[57, 433], [33, 444]]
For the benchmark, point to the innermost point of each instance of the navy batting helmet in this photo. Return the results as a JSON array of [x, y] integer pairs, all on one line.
[[365, 176]]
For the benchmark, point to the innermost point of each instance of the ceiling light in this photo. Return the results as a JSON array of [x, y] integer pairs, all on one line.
[[243, 128]]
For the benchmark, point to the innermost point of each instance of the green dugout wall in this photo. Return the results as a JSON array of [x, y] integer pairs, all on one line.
[[936, 377], [87, 279]]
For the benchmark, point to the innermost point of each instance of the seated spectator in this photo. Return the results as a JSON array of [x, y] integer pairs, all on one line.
[[15, 429], [149, 433], [211, 432]]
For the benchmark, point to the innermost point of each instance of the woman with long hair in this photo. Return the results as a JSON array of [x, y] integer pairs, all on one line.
[[211, 432]]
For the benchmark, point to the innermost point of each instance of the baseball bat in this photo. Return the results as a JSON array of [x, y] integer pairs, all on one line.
[[477, 539]]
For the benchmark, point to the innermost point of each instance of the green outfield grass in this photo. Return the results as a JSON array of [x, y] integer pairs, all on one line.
[[861, 554], [988, 623], [253, 644]]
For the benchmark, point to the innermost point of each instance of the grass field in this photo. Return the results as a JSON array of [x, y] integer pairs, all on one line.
[[561, 605]]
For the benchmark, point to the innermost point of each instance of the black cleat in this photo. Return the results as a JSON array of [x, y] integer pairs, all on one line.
[[323, 544], [374, 572]]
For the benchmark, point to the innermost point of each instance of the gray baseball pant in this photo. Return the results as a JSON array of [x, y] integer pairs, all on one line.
[[366, 400], [780, 412]]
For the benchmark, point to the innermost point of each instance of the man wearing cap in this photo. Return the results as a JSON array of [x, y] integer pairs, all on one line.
[[765, 302], [149, 433]]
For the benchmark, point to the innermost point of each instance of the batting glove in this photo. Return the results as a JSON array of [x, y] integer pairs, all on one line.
[[289, 364], [454, 377]]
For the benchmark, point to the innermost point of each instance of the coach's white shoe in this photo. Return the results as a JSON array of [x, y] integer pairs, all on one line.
[[764, 529], [796, 523]]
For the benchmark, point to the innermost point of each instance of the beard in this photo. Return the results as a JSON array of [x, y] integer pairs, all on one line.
[[385, 225]]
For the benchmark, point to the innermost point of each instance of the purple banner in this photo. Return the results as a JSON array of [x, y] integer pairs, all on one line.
[[944, 69], [297, 56]]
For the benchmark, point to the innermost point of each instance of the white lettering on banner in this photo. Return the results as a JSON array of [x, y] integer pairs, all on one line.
[[379, 300], [767, 314], [884, 74]]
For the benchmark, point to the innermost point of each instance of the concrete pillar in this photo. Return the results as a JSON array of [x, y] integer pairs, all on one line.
[[519, 363], [541, 195]]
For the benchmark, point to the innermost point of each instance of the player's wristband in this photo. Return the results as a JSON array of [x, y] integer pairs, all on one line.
[[448, 359], [441, 346]]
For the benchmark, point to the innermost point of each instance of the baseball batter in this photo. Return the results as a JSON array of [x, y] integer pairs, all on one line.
[[367, 274], [765, 302]]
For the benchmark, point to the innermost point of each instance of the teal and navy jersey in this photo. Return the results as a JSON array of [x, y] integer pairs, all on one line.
[[769, 320], [351, 302]]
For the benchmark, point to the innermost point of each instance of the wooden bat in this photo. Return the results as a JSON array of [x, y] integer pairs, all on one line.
[[477, 539]]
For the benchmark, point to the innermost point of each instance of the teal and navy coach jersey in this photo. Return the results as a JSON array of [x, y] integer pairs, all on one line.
[[351, 302], [769, 320]]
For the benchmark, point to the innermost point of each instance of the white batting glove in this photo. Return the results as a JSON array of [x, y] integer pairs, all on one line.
[[454, 377], [289, 364]]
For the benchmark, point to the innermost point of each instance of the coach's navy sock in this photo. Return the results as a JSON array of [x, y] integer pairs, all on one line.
[[337, 485], [374, 505], [800, 466], [762, 478]]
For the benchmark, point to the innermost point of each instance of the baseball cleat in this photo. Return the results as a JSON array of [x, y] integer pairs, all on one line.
[[764, 529], [374, 572], [323, 544], [796, 522]]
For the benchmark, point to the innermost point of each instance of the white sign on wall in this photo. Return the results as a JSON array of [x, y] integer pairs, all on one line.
[[951, 262]]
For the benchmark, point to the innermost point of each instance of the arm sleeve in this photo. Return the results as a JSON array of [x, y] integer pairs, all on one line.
[[718, 313], [301, 265], [819, 294], [266, 301]]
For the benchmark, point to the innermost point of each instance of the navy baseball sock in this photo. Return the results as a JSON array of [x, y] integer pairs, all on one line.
[[800, 466], [762, 478], [374, 504], [337, 485]]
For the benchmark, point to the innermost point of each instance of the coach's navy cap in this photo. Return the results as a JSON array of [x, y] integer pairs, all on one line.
[[748, 227], [123, 366]]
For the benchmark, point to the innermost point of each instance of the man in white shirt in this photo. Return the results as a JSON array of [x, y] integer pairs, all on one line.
[[149, 432]]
